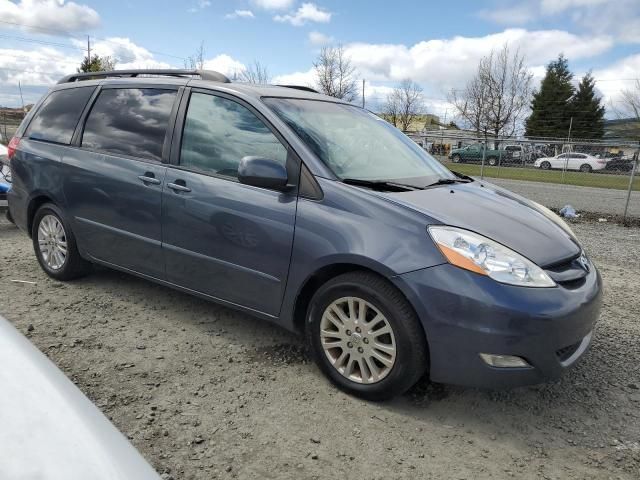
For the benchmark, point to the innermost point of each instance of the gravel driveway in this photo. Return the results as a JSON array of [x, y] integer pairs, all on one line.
[[205, 392], [587, 199]]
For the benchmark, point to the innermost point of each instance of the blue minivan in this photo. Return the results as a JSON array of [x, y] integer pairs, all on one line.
[[309, 212]]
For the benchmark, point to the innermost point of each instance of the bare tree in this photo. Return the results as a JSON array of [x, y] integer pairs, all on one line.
[[496, 99], [630, 102], [256, 73], [335, 73], [471, 104], [391, 108], [404, 104], [196, 61]]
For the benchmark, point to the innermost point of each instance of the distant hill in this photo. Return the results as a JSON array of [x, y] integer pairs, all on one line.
[[622, 129]]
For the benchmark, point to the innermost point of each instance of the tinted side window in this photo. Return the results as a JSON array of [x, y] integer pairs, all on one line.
[[56, 120], [129, 121], [218, 132]]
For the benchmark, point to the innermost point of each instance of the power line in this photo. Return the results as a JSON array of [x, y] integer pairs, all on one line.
[[42, 42], [34, 27], [77, 36]]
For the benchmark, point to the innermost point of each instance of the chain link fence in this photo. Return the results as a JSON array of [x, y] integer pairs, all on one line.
[[597, 177], [10, 119]]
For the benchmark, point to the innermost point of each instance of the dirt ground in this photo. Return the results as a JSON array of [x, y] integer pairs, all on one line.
[[205, 392]]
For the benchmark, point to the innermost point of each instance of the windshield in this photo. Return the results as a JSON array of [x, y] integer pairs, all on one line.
[[356, 144]]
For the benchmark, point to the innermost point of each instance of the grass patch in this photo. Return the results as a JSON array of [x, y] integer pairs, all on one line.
[[599, 180]]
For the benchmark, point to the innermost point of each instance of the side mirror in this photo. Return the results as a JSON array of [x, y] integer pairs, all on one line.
[[263, 172]]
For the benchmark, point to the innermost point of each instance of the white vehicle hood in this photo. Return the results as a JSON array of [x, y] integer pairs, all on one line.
[[49, 430]]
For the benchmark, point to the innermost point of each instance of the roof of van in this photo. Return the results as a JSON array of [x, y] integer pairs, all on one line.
[[209, 79]]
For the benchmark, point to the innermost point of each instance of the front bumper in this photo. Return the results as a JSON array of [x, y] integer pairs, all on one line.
[[465, 314]]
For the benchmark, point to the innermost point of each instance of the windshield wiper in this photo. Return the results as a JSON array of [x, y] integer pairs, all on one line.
[[381, 184], [448, 181]]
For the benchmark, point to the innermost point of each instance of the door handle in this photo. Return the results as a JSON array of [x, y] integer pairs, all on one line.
[[176, 187], [149, 178]]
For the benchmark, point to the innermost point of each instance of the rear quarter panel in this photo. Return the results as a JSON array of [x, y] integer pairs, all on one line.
[[35, 173]]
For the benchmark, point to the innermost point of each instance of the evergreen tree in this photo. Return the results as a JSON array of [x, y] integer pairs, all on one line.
[[96, 64], [588, 113], [550, 108]]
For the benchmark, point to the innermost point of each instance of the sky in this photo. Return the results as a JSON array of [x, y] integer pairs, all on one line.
[[437, 44]]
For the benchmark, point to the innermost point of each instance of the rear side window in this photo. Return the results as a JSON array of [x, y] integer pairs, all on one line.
[[56, 120], [219, 132], [129, 121]]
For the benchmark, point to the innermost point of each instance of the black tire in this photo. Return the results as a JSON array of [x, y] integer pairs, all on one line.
[[545, 166], [411, 359], [74, 265], [586, 168], [493, 161], [456, 159], [9, 217]]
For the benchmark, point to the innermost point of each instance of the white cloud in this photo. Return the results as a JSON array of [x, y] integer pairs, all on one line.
[[617, 18], [42, 67], [273, 4], [307, 12], [200, 5], [225, 64], [319, 39], [445, 63], [240, 14], [515, 15], [556, 6], [126, 53], [49, 14], [621, 75], [306, 79]]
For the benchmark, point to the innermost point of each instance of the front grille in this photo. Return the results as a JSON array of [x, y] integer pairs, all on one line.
[[570, 273], [565, 352]]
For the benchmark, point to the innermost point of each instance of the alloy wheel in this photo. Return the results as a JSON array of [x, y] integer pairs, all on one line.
[[52, 242], [358, 340]]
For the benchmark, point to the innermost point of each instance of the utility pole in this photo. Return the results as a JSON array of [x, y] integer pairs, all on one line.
[[21, 97], [88, 49], [363, 93], [566, 160]]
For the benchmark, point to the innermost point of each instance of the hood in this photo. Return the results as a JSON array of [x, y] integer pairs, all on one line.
[[496, 213], [50, 430]]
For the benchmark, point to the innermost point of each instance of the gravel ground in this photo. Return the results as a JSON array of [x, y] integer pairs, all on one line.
[[589, 199], [205, 392]]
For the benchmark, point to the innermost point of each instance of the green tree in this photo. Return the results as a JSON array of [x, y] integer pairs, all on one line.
[[588, 113], [551, 105], [97, 64]]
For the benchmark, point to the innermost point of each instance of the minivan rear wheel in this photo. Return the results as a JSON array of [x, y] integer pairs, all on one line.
[[55, 245], [365, 336]]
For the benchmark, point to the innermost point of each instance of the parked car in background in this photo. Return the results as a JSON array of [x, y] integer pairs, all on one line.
[[571, 161], [310, 212], [506, 155], [49, 429], [5, 173], [475, 153], [619, 163], [515, 154]]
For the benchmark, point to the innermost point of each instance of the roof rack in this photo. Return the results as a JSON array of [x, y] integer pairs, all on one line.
[[203, 74], [300, 87]]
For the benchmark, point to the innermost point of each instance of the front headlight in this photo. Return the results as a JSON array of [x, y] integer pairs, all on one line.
[[479, 254]]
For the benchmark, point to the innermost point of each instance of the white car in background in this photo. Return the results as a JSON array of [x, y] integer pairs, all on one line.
[[572, 161]]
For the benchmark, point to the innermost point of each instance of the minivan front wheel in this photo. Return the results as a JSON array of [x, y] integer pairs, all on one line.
[[55, 245], [365, 336]]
